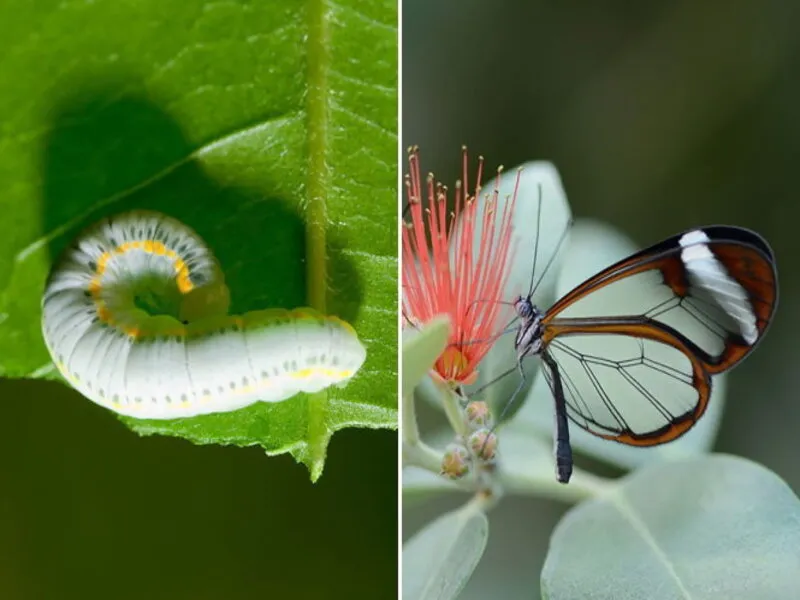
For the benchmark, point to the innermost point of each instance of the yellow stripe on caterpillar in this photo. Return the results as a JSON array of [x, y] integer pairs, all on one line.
[[190, 358]]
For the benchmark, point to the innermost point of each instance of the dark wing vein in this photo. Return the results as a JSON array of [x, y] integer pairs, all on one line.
[[637, 384]]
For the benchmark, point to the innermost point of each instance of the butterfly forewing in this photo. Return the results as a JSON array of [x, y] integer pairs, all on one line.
[[716, 288]]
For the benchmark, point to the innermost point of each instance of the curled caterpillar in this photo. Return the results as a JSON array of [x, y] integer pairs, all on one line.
[[134, 315]]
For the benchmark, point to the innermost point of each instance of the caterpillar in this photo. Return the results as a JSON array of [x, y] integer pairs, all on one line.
[[135, 317]]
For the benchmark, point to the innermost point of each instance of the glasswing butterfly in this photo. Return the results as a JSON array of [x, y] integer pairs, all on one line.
[[684, 309]]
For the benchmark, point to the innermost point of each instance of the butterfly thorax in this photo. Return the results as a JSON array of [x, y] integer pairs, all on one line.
[[529, 333]]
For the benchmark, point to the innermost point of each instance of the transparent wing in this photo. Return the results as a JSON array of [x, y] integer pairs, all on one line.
[[718, 296], [635, 385]]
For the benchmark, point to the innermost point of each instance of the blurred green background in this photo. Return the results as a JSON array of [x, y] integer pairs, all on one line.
[[89, 510], [660, 116]]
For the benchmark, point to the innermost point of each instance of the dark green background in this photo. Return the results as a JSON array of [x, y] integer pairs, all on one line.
[[90, 510], [660, 116]]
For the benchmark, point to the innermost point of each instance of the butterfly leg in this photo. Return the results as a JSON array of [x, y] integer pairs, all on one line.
[[510, 403], [493, 381]]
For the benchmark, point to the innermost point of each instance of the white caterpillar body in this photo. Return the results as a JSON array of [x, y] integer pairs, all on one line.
[[135, 317]]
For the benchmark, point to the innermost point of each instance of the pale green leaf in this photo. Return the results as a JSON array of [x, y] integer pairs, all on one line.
[[712, 527], [421, 348], [420, 485], [439, 560]]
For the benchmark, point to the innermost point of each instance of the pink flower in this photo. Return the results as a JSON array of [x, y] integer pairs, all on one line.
[[464, 271]]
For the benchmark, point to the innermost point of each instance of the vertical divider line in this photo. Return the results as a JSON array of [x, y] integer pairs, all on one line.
[[400, 189]]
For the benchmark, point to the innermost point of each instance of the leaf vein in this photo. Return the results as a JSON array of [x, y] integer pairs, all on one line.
[[215, 144], [628, 512], [348, 10], [361, 119]]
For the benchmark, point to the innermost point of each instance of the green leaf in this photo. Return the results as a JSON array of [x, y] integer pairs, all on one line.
[[592, 247], [420, 485], [439, 560], [269, 127], [421, 348], [714, 527], [527, 466]]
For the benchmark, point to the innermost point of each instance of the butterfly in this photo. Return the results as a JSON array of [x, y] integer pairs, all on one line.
[[674, 315]]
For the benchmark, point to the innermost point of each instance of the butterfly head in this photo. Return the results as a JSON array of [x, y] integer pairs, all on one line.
[[524, 308]]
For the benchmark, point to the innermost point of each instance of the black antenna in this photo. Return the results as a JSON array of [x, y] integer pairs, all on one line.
[[552, 258], [538, 232]]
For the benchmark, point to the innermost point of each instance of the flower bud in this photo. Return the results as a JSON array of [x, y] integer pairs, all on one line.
[[483, 444], [456, 462], [479, 415]]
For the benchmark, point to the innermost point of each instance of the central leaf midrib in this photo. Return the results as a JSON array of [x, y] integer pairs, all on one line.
[[317, 184], [628, 512]]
